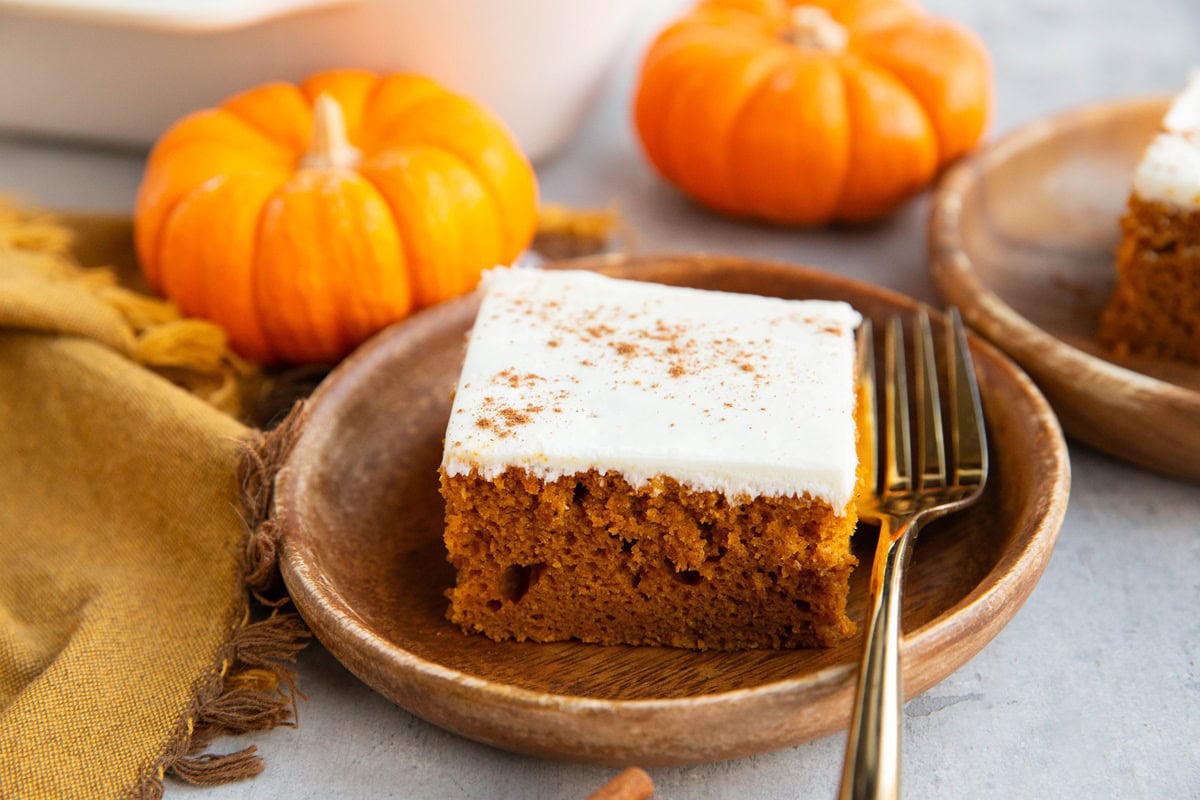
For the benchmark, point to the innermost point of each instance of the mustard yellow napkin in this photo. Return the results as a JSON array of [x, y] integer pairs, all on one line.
[[127, 492]]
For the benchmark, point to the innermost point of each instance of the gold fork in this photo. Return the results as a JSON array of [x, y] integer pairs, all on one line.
[[900, 504]]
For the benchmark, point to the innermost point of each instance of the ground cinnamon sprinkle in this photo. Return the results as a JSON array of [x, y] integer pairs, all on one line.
[[513, 417], [513, 379], [600, 331], [642, 340], [625, 349]]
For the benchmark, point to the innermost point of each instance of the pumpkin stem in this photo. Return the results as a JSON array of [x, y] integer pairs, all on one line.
[[814, 28], [330, 147]]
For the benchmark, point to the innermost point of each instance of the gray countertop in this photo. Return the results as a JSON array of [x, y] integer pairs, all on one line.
[[1092, 690]]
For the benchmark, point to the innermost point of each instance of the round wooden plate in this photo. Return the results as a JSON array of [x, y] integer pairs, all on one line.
[[1022, 240], [362, 556]]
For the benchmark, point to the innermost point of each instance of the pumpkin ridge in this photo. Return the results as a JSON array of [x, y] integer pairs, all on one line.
[[760, 62], [273, 323], [253, 279], [212, 127], [739, 188], [507, 235], [210, 288], [273, 353], [473, 257], [369, 315], [852, 123], [254, 319], [372, 96], [417, 105], [761, 83], [506, 255], [361, 302], [683, 32], [782, 208], [879, 49], [916, 99], [678, 114], [402, 236], [350, 304], [237, 110], [161, 242], [171, 278], [368, 119], [855, 133], [374, 120], [678, 53], [191, 134], [513, 239], [154, 259], [938, 134]]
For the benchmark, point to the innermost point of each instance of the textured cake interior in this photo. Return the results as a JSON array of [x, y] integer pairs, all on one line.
[[1155, 310], [590, 557]]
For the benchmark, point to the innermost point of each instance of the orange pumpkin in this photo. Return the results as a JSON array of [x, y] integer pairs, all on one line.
[[808, 112], [304, 219]]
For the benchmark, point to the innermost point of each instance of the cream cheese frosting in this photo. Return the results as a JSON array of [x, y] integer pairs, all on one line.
[[569, 371], [1184, 113], [1169, 171]]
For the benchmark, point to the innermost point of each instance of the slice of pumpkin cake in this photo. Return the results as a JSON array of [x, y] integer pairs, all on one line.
[[1155, 310], [633, 463]]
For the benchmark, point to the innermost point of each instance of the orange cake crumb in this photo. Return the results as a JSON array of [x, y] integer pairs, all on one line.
[[590, 557]]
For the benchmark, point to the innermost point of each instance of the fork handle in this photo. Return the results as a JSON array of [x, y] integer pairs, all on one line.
[[872, 767]]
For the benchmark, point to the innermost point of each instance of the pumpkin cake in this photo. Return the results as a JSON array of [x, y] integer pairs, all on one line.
[[633, 463], [1155, 310]]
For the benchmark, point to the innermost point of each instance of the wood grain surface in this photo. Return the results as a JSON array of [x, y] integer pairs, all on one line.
[[362, 557], [1023, 239]]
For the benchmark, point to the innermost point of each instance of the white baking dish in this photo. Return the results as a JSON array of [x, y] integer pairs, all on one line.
[[123, 70]]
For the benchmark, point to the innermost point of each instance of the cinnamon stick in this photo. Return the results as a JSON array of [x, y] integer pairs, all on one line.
[[631, 784]]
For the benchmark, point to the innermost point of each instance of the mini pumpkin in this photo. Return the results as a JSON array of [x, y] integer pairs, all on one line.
[[809, 112], [304, 219]]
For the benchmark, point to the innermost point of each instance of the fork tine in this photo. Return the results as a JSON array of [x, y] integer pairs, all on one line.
[[968, 439], [869, 422], [931, 445], [898, 469]]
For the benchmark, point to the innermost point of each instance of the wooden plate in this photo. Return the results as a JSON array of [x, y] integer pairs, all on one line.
[[1022, 239], [362, 556]]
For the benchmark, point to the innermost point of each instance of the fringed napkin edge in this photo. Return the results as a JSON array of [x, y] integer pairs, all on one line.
[[251, 686]]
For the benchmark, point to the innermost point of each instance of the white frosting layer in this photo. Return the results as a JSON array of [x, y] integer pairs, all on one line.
[[1184, 114], [571, 371], [1169, 171]]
